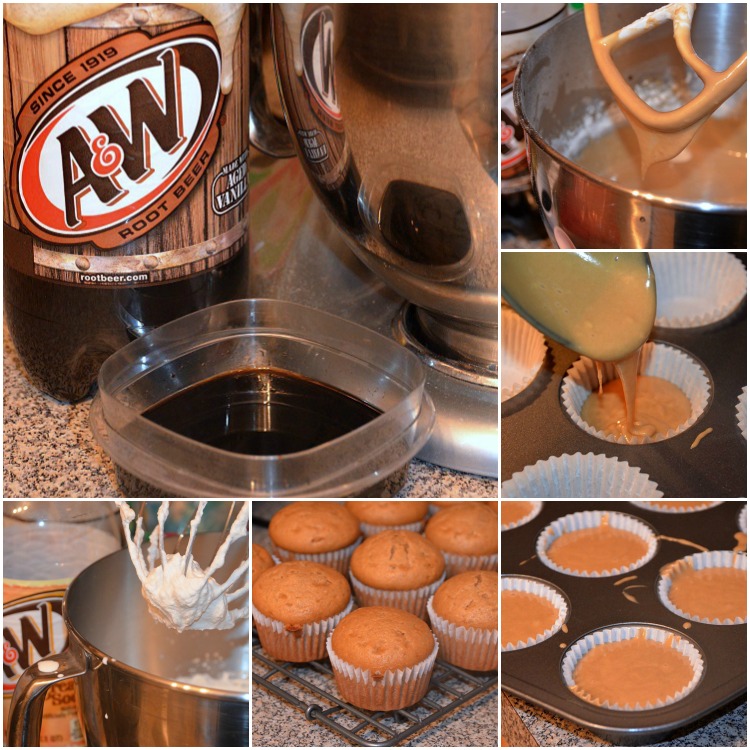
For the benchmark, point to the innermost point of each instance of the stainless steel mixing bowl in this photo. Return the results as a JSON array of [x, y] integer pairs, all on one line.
[[559, 94], [393, 113], [392, 110], [126, 667]]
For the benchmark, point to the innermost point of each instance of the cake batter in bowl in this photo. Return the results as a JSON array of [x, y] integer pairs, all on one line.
[[140, 683], [584, 160]]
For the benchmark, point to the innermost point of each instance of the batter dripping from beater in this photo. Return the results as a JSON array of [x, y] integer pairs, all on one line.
[[179, 593], [720, 151]]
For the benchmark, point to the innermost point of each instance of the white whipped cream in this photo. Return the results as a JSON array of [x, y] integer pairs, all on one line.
[[179, 593]]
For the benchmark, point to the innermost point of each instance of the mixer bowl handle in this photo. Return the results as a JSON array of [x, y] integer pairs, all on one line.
[[27, 704], [267, 134]]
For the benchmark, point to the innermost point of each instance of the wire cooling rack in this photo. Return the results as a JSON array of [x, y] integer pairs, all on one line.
[[310, 687]]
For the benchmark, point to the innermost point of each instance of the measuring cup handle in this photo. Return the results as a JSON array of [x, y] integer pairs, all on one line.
[[27, 704], [267, 134]]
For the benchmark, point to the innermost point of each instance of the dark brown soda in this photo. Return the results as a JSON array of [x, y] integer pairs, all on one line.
[[261, 412]]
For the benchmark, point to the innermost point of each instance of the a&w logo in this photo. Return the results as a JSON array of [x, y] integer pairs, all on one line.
[[112, 143], [316, 46], [32, 629]]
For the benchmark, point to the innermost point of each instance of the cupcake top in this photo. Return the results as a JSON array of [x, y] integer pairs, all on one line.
[[464, 529], [300, 592], [397, 560], [313, 527], [469, 599], [382, 638], [261, 561], [388, 512]]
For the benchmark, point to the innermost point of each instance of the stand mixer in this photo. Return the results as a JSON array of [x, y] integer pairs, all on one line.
[[567, 108], [401, 148]]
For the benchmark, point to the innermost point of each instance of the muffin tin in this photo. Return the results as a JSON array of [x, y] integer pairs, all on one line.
[[535, 425], [534, 673]]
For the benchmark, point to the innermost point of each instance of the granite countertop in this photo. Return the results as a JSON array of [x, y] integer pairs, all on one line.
[[724, 728], [50, 451], [276, 723]]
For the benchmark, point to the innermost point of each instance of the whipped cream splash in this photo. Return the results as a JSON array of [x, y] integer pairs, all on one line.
[[179, 593]]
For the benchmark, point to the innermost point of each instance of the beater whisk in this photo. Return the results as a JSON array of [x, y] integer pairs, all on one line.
[[178, 591]]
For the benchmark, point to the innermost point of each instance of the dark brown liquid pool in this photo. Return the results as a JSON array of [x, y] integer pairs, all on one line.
[[261, 412]]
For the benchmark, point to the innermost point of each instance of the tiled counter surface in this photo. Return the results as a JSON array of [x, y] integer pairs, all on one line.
[[50, 451], [725, 728], [276, 724]]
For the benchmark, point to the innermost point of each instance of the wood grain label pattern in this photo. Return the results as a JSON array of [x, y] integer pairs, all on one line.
[[113, 142]]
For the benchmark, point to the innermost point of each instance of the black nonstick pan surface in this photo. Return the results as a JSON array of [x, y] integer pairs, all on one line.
[[535, 673]]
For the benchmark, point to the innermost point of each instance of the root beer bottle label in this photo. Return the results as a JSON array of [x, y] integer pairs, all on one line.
[[126, 183]]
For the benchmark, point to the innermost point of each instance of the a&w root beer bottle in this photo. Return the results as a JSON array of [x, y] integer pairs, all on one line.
[[125, 151]]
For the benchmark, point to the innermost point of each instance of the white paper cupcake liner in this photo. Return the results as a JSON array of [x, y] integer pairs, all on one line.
[[590, 519], [455, 564], [546, 591], [307, 643], [338, 559], [536, 508], [699, 561], [522, 354], [414, 600], [742, 521], [370, 529], [579, 475], [741, 410], [468, 648], [393, 689], [623, 633], [696, 289], [659, 507], [657, 360]]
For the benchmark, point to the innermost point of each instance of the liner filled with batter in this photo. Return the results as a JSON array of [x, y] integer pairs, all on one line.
[[632, 667], [661, 361], [596, 543], [707, 587]]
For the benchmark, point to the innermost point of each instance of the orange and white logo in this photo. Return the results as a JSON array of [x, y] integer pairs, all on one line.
[[111, 144]]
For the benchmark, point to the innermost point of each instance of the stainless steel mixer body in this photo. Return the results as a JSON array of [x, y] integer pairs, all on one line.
[[559, 90], [125, 665], [392, 110]]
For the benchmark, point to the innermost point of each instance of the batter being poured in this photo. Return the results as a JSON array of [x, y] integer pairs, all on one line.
[[179, 593]]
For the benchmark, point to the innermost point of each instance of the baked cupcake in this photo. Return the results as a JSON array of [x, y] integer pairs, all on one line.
[[398, 569], [463, 614], [262, 561], [296, 605], [466, 534], [375, 516], [382, 658], [323, 532], [632, 668]]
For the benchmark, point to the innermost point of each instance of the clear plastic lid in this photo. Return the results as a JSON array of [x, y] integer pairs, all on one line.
[[256, 334]]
